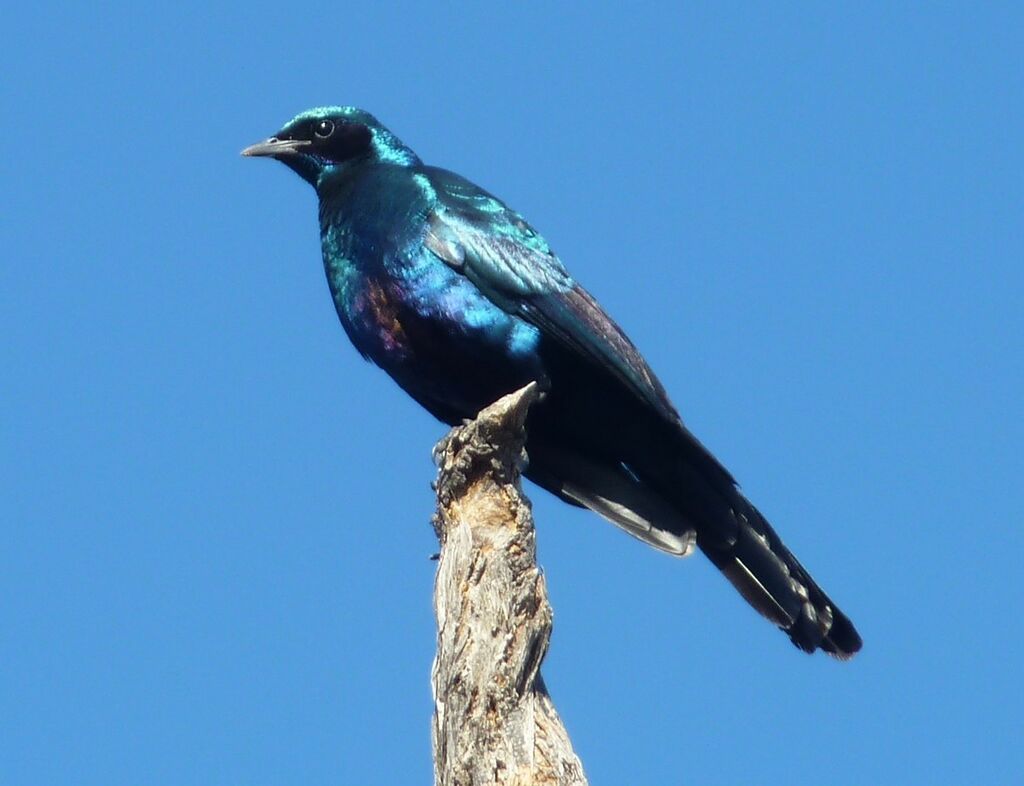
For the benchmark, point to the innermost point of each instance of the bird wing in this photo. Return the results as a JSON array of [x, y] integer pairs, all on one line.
[[495, 248]]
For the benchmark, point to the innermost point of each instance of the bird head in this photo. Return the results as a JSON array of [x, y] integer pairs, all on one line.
[[322, 140]]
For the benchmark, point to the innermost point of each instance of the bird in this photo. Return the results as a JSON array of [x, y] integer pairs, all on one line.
[[461, 301]]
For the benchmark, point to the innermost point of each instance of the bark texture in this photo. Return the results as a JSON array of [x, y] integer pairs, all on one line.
[[494, 722]]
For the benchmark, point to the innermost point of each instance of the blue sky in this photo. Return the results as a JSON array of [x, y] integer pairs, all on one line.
[[215, 515]]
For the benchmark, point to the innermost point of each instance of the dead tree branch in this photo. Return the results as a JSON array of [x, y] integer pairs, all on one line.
[[494, 722]]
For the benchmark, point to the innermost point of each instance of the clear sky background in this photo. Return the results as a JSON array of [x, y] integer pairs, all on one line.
[[215, 517]]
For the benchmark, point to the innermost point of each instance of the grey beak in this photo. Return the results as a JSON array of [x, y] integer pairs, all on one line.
[[276, 147]]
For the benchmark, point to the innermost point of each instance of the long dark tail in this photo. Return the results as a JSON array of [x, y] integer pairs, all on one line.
[[673, 501], [594, 443]]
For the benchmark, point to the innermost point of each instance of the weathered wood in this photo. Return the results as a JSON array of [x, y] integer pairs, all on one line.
[[494, 722]]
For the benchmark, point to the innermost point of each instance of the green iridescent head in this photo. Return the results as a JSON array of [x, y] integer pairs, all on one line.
[[318, 141]]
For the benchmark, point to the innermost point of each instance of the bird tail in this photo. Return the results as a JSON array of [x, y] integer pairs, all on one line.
[[774, 582], [673, 502]]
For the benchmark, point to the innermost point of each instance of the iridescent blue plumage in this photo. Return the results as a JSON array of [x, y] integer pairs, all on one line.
[[416, 317], [460, 300]]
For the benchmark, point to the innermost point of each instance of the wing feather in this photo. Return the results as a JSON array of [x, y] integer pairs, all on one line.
[[492, 245]]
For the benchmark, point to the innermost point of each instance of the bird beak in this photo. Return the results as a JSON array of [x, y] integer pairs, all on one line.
[[276, 147]]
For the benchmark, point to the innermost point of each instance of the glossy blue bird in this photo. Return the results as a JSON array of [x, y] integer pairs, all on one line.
[[461, 301]]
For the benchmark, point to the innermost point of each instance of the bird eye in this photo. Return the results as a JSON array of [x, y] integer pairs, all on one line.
[[324, 128]]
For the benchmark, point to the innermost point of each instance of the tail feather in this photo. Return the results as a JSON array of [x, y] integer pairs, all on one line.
[[774, 582], [596, 449], [614, 493]]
